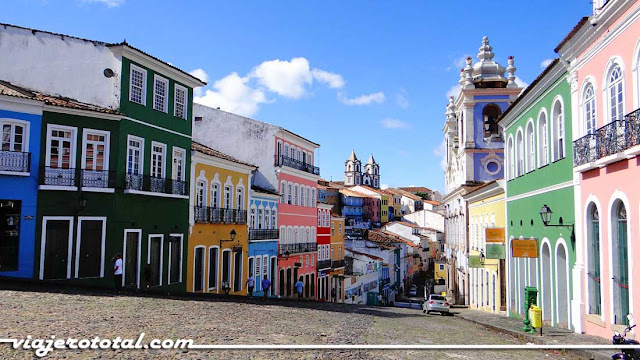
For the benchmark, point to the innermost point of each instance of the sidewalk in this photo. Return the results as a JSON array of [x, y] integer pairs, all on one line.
[[551, 335]]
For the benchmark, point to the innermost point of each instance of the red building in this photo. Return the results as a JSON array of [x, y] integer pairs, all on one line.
[[325, 231]]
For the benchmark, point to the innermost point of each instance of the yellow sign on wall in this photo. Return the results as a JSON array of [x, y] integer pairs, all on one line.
[[524, 248], [494, 235]]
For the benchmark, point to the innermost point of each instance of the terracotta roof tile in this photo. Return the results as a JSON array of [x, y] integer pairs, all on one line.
[[364, 254], [571, 33], [195, 146]]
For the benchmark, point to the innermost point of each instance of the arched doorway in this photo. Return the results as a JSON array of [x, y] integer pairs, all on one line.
[[562, 287], [547, 284], [620, 264]]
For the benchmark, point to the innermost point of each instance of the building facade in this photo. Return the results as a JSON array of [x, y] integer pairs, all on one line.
[[326, 228], [337, 249], [263, 238]]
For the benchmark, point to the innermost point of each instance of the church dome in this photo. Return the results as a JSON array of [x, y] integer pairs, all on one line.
[[487, 73]]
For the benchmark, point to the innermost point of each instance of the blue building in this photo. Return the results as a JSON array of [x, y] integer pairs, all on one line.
[[353, 210], [20, 123], [263, 237]]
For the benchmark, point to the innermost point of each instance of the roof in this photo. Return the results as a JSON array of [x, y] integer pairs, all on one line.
[[303, 138], [411, 225], [571, 33], [416, 189], [432, 202], [529, 88], [377, 191], [364, 254], [400, 238], [348, 192], [409, 195], [9, 89], [388, 238], [195, 146], [95, 42], [353, 156], [259, 189]]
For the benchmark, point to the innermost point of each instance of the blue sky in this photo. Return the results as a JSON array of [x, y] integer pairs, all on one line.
[[372, 76]]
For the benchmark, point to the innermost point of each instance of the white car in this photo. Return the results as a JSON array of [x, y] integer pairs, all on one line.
[[437, 303]]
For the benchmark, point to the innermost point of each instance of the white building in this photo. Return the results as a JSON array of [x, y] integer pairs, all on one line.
[[353, 174]]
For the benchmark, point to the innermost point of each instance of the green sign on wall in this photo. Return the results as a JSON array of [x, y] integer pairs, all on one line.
[[495, 251], [474, 262]]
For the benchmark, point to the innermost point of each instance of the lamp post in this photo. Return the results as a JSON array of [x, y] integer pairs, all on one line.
[[545, 215], [232, 236]]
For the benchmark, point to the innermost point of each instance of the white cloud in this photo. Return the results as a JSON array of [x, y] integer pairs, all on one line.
[[286, 78], [335, 81], [109, 3], [384, 186], [390, 123], [200, 74], [233, 94], [454, 91], [401, 99], [458, 63], [377, 98], [521, 83], [545, 63]]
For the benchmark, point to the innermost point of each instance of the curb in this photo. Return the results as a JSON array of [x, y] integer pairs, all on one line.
[[583, 353]]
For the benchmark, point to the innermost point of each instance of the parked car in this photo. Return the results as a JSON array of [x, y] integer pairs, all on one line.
[[413, 290], [437, 303]]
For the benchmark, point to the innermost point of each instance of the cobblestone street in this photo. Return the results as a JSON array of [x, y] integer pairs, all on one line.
[[41, 314]]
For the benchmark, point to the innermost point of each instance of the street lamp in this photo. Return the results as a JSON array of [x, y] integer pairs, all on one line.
[[232, 234], [482, 257], [545, 215]]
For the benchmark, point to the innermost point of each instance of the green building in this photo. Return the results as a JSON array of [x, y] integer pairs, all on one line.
[[539, 172], [114, 180]]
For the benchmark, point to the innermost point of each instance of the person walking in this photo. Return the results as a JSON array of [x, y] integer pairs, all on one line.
[[266, 285], [117, 273], [333, 294], [250, 284], [299, 285]]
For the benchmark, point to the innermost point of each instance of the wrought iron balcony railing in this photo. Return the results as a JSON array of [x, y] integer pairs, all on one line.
[[211, 215], [289, 249], [335, 264], [97, 178], [324, 264], [56, 176], [155, 184], [611, 139], [15, 161], [281, 160], [263, 234]]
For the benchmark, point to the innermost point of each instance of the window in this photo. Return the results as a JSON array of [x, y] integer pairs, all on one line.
[[200, 193], [620, 265], [273, 219], [267, 218], [283, 191], [61, 147], [512, 160], [302, 199], [519, 154], [160, 89], [135, 148], [175, 258], [240, 198], [319, 218], [90, 243], [589, 109], [289, 192], [95, 158], [531, 154], [213, 268], [333, 229], [252, 217], [490, 114], [309, 197], [543, 140], [215, 195], [14, 136], [227, 197], [593, 266], [180, 102], [154, 258], [339, 228], [295, 194], [260, 218], [158, 151], [177, 172], [138, 85], [616, 94], [226, 267], [558, 131], [313, 197]]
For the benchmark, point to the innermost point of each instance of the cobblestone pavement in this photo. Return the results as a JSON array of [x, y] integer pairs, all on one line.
[[42, 314]]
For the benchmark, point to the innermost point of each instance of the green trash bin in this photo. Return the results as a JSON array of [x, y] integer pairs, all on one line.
[[530, 298]]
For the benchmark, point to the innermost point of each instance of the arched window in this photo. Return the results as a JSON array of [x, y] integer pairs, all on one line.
[[558, 131], [593, 252], [302, 199], [283, 191], [620, 265], [296, 194], [589, 109], [531, 147], [490, 114], [511, 173], [543, 140], [201, 193], [215, 195], [615, 93], [519, 154]]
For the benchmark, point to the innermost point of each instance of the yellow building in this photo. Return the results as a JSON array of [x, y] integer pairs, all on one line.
[[384, 211], [440, 272], [218, 235], [337, 257], [395, 200], [487, 271]]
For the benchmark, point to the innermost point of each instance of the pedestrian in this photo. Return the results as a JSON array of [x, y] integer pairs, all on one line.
[[380, 299], [333, 294], [299, 286], [250, 284], [117, 273], [266, 285], [148, 276], [225, 287]]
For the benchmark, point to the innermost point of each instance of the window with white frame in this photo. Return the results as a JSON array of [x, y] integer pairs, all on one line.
[[309, 197], [333, 229], [213, 267], [558, 131], [512, 162], [543, 140], [519, 154], [339, 228], [158, 151], [180, 102], [273, 219], [531, 145], [135, 149], [289, 193], [260, 218], [589, 109], [175, 258], [61, 147], [313, 197], [252, 217], [200, 193], [240, 197], [227, 197], [178, 172], [267, 218], [615, 93], [295, 194], [215, 195], [138, 85], [95, 151], [283, 191], [302, 198], [319, 218], [15, 135], [160, 90]]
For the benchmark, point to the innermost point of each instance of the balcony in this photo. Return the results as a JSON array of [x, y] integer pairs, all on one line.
[[15, 161], [290, 249], [264, 234], [210, 215], [155, 184], [296, 164], [336, 264], [324, 264], [610, 143], [94, 179]]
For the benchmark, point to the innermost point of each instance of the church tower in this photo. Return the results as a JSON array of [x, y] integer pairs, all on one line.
[[352, 170], [371, 175]]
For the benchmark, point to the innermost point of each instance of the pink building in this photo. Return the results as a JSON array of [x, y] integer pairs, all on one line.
[[297, 213], [602, 53]]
